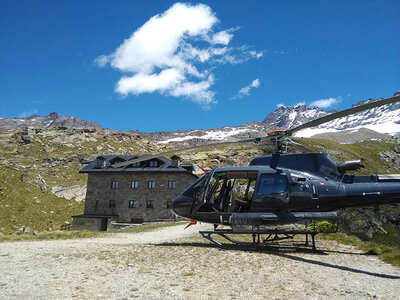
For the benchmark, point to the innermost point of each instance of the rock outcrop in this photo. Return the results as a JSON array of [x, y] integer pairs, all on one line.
[[75, 192]]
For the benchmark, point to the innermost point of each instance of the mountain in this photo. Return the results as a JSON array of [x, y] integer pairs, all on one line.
[[384, 119], [377, 123], [53, 120], [183, 138], [293, 116], [380, 121]]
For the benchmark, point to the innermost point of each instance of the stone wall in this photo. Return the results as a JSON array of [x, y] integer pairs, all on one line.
[[100, 192], [90, 223]]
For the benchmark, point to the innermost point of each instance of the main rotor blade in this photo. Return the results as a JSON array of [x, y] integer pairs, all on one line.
[[147, 157], [343, 113]]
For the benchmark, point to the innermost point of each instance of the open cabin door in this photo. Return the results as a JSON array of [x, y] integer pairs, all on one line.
[[203, 189]]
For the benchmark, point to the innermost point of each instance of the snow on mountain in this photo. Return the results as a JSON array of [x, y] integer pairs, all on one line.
[[183, 138], [289, 117], [219, 135], [384, 119]]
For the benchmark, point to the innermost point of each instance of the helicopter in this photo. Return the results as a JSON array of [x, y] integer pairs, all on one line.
[[281, 188]]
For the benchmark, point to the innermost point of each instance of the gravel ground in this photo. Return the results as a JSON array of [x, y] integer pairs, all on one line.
[[172, 263]]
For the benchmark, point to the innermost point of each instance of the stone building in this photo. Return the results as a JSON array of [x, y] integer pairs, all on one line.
[[140, 192]]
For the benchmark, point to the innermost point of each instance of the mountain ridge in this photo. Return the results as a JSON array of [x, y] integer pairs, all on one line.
[[52, 120], [382, 120]]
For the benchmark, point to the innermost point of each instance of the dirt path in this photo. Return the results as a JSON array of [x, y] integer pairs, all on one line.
[[175, 263]]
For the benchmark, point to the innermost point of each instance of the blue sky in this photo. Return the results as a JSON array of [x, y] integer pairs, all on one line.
[[162, 65]]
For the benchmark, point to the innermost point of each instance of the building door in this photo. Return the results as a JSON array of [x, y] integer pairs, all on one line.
[[103, 225]]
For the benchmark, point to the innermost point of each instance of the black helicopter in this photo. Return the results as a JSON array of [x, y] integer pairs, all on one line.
[[282, 188]]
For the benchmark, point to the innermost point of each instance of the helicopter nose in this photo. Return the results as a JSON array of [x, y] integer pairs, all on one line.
[[182, 206]]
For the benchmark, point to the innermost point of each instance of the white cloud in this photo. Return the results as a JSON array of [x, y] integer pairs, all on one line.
[[300, 104], [256, 54], [280, 105], [143, 83], [101, 61], [246, 90], [174, 53], [222, 37], [324, 103]]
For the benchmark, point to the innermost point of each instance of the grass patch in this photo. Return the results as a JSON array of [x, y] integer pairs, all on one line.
[[388, 253], [81, 234], [56, 235]]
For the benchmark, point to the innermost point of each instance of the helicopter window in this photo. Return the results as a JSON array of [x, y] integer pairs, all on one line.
[[272, 184]]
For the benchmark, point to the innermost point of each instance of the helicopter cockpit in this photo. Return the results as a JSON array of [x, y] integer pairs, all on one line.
[[231, 191]]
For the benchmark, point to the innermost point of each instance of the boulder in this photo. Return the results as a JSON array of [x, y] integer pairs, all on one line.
[[75, 192]]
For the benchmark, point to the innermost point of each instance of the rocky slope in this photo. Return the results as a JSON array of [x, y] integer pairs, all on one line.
[[53, 120], [184, 138], [40, 188], [293, 116]]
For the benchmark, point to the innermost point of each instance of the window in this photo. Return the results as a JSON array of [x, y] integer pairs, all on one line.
[[133, 203], [171, 184], [149, 204], [134, 184], [114, 184], [272, 184], [136, 164], [151, 184], [112, 204], [153, 163]]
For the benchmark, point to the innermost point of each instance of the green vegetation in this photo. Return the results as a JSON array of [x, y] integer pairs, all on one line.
[[323, 226], [53, 157], [80, 234], [388, 253], [56, 235]]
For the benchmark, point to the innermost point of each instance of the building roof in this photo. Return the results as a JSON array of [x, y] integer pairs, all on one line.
[[164, 165]]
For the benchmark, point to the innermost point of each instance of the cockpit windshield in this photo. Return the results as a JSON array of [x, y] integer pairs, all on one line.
[[199, 188]]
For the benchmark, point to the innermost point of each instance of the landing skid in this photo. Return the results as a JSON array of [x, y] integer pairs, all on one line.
[[271, 239]]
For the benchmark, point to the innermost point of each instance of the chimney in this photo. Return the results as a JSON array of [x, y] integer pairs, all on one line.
[[175, 161], [100, 162]]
